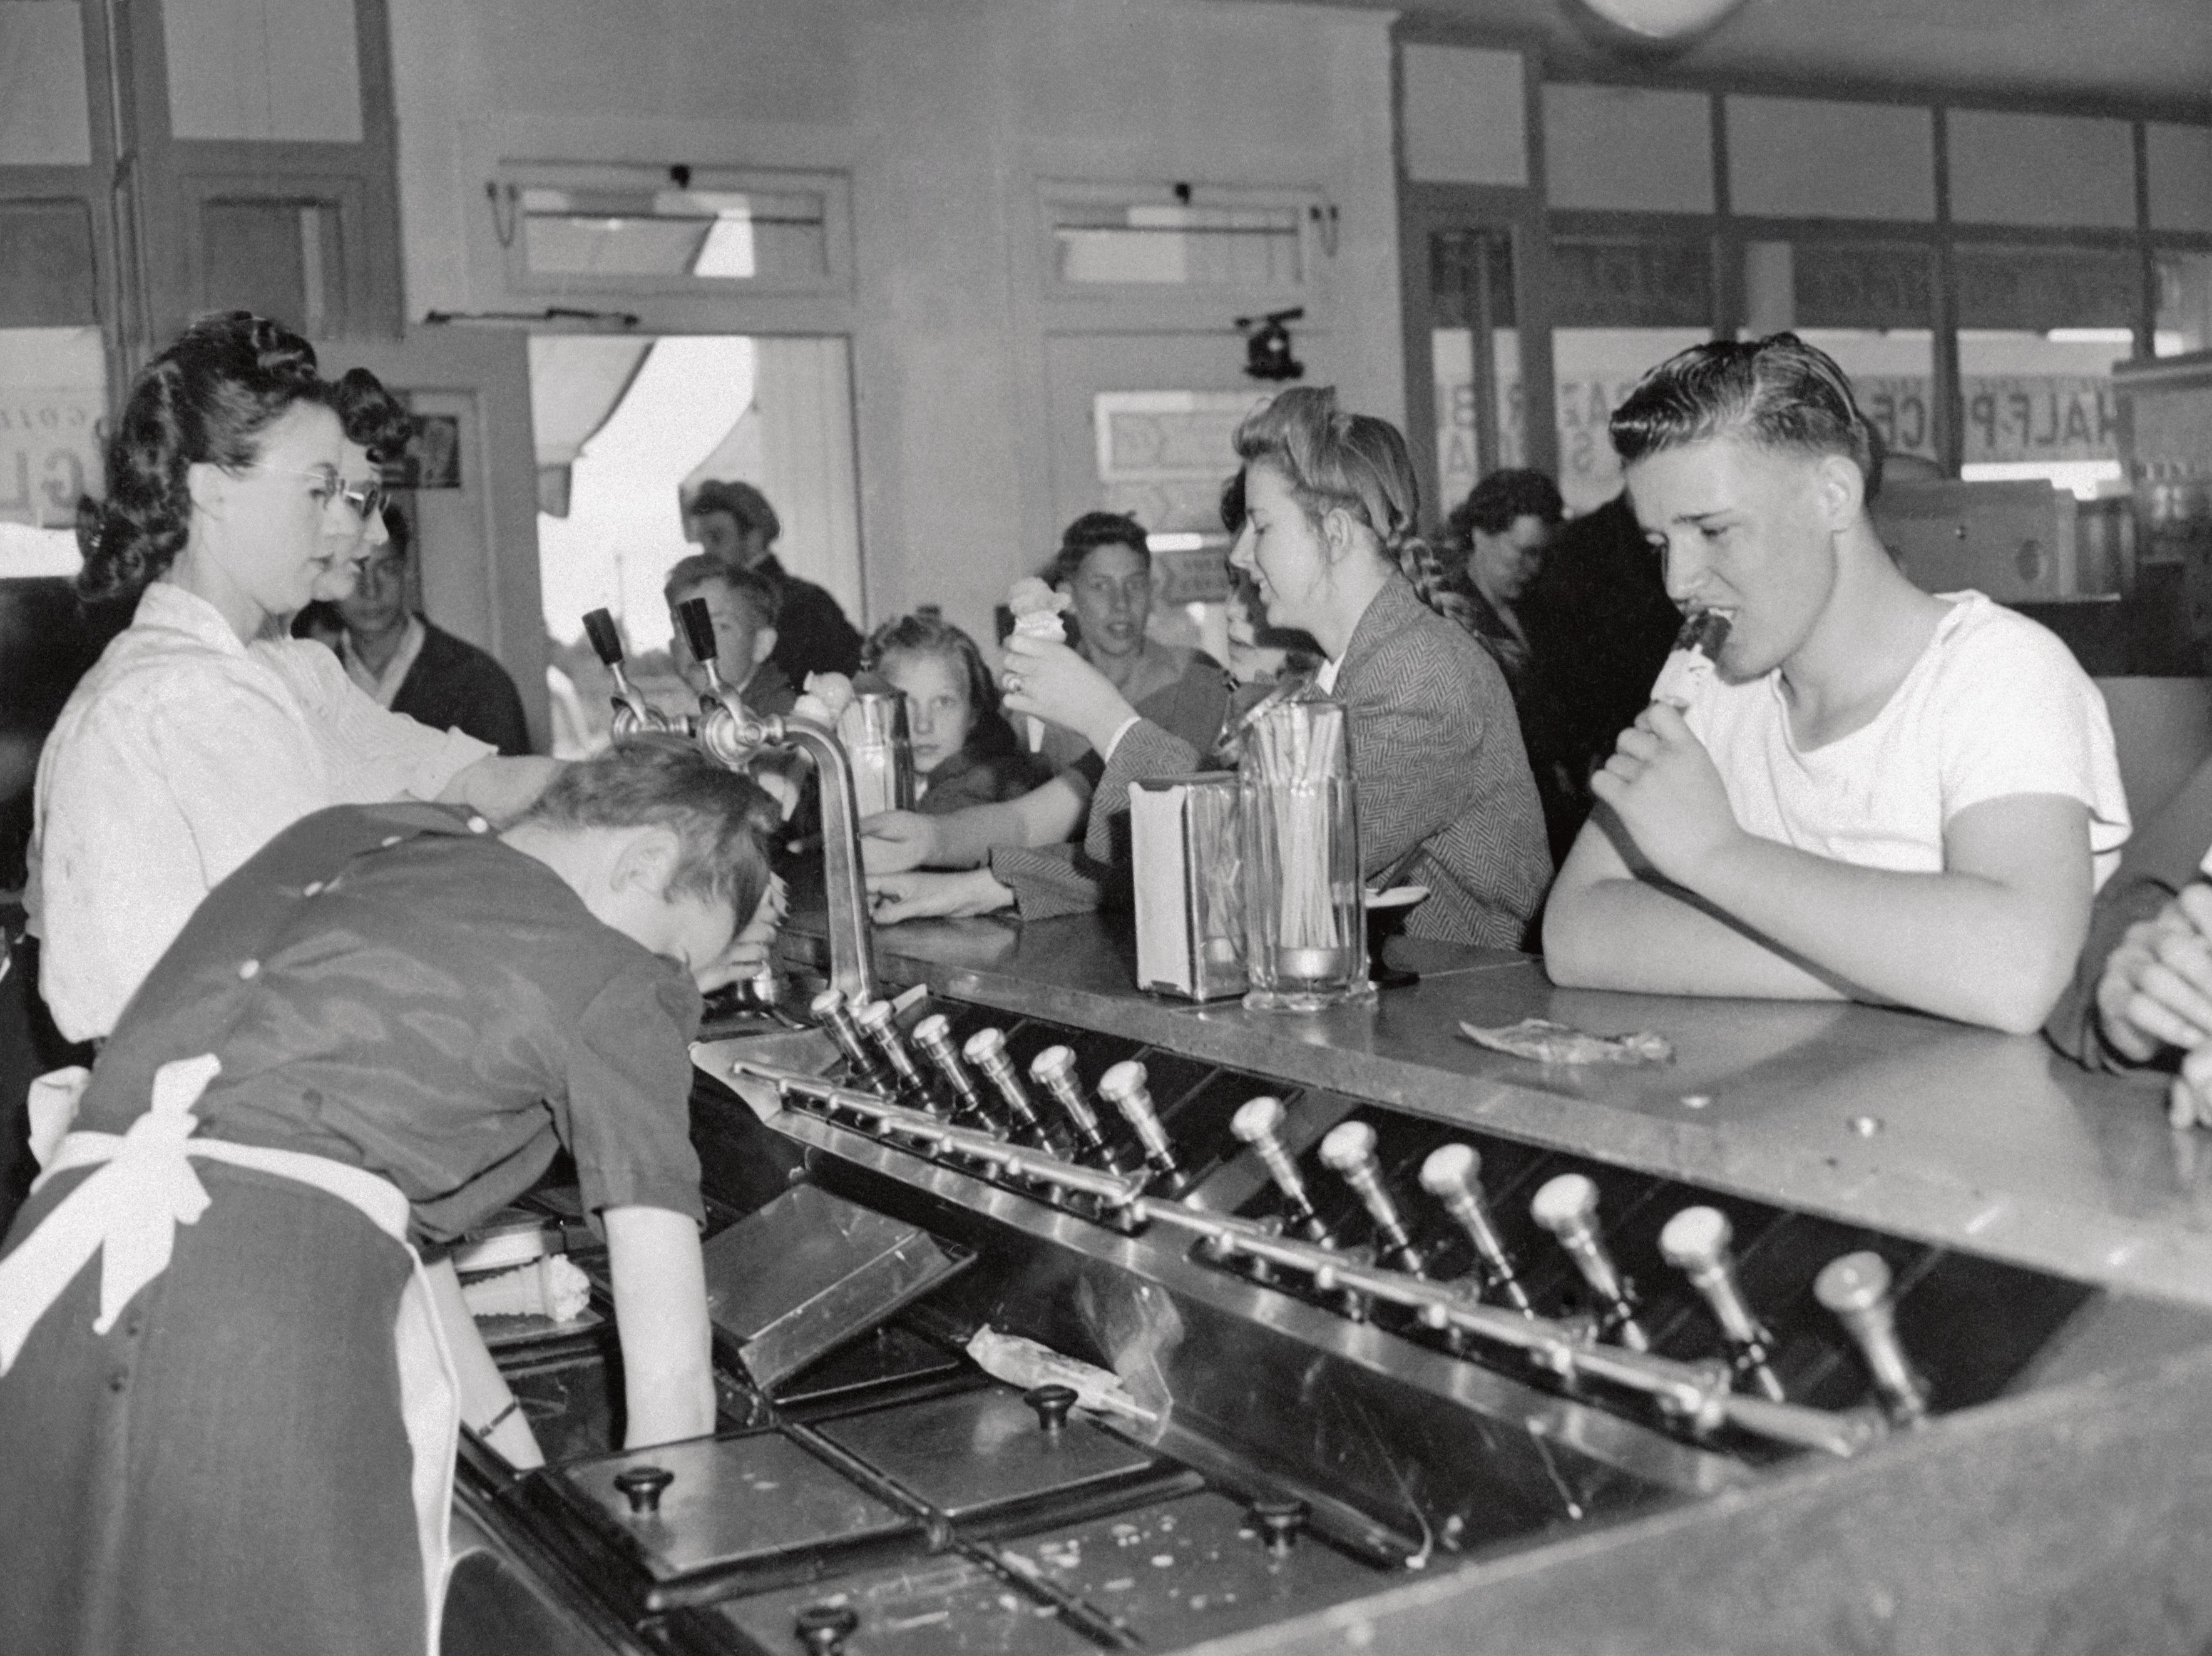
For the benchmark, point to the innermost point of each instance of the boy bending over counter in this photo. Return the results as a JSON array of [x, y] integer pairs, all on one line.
[[229, 1384], [1880, 794]]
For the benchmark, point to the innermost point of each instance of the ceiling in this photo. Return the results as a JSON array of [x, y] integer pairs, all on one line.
[[2151, 54]]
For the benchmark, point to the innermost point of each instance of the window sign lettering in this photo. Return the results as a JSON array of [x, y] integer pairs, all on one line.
[[50, 442]]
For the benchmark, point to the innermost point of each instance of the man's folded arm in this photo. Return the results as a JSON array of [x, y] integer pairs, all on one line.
[[1991, 940]]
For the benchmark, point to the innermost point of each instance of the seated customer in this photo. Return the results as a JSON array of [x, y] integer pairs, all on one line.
[[1444, 795], [964, 752], [1880, 794], [424, 1015], [743, 605], [2141, 1001], [734, 524], [1105, 567], [413, 668], [1499, 533]]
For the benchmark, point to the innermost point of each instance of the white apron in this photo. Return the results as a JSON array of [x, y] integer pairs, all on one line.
[[127, 1212]]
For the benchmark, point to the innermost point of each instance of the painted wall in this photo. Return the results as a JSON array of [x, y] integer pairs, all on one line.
[[945, 113]]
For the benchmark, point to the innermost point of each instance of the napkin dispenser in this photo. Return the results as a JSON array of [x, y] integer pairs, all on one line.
[[1188, 862]]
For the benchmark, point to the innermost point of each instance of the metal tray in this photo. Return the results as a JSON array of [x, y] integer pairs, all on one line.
[[975, 1451]]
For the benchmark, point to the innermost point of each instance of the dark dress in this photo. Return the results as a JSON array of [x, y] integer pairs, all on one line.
[[226, 1470], [812, 632], [972, 779], [455, 686], [1600, 625]]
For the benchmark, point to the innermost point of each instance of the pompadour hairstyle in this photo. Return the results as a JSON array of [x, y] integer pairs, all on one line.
[[1357, 462], [1776, 393]]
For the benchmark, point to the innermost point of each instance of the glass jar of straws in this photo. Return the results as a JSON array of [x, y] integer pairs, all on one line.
[[1305, 927]]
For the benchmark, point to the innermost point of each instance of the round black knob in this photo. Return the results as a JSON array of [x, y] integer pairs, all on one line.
[[823, 1628], [1052, 1403], [1278, 1521], [643, 1485]]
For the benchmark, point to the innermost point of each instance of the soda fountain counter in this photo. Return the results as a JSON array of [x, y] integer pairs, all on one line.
[[1843, 1330]]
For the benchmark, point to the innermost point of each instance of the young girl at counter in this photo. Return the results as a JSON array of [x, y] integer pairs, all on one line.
[[241, 485], [1445, 799], [965, 752], [235, 1431]]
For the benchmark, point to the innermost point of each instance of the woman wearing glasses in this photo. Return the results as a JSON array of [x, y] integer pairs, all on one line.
[[241, 484]]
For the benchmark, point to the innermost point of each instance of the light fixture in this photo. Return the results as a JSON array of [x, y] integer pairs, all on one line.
[[1267, 353], [1663, 22]]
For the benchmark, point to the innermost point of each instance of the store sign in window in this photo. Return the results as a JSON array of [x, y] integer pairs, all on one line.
[[1163, 455], [53, 394]]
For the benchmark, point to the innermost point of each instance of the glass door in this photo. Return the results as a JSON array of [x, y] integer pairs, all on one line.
[[1475, 351]]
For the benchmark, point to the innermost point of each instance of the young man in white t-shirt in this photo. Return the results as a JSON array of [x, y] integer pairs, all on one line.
[[1881, 794]]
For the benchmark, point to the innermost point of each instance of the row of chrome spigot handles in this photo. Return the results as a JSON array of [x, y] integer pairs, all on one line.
[[1854, 1288]]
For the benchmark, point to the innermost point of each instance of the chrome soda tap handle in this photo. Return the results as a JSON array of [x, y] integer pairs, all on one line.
[[633, 713], [933, 1035], [1453, 1174], [987, 1051], [1348, 1151], [1695, 1241], [1259, 1122], [831, 1010], [1567, 1207], [1855, 1288], [880, 1024], [733, 735], [1123, 1087], [1053, 1069]]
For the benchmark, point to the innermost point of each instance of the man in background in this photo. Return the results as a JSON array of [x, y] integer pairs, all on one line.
[[734, 522], [413, 668]]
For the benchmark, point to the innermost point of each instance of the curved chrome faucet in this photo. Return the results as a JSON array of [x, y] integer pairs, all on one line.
[[734, 735]]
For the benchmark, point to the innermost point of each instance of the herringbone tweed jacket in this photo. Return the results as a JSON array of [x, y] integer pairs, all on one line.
[[1445, 796]]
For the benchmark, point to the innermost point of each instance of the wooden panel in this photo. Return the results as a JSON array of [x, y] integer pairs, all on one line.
[[49, 277], [1622, 148], [2180, 176], [263, 70], [2040, 169], [46, 114], [1810, 158], [1465, 116]]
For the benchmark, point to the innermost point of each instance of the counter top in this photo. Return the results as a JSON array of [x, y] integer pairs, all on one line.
[[1905, 1122]]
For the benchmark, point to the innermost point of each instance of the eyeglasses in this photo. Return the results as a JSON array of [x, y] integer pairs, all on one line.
[[365, 500]]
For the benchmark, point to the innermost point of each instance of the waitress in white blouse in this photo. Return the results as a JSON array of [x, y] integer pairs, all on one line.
[[241, 484]]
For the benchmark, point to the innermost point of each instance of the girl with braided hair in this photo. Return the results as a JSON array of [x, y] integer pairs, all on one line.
[[241, 484], [1445, 799]]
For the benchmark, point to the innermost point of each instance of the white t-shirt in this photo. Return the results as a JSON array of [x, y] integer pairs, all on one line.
[[179, 754], [1996, 706]]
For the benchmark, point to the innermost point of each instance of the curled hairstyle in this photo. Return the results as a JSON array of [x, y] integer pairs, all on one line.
[[722, 820], [1501, 499], [206, 400], [1776, 393], [989, 735], [1085, 535], [372, 416], [1356, 462]]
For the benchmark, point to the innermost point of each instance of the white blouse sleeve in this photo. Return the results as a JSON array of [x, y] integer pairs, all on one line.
[[371, 752]]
